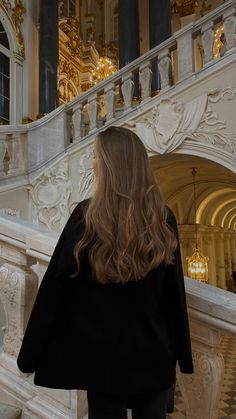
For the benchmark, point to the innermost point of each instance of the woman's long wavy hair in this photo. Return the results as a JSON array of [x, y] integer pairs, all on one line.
[[126, 231]]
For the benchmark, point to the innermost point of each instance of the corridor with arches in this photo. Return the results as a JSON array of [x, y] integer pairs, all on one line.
[[215, 211]]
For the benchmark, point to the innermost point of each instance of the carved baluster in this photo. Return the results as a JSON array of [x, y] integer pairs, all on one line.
[[207, 41], [2, 155], [201, 391], [109, 101], [145, 79], [127, 89], [93, 112], [185, 54], [229, 19], [77, 122], [18, 288], [14, 147], [165, 68]]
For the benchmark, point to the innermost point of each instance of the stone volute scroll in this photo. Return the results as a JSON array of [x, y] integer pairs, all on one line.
[[50, 195]]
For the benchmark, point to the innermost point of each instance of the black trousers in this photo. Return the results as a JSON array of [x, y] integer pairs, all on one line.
[[144, 406]]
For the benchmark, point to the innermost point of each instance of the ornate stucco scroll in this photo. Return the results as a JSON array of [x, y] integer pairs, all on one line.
[[171, 122]]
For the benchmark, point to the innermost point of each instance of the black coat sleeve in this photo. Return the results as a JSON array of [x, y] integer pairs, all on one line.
[[177, 302], [50, 294]]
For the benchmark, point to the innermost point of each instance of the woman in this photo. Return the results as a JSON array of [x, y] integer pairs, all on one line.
[[110, 316]]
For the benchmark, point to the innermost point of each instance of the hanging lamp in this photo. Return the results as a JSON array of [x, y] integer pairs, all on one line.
[[197, 263]]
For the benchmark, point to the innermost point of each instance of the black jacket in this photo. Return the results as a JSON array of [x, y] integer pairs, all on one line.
[[111, 338]]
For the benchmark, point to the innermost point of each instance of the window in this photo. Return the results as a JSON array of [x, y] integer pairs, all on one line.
[[3, 37], [69, 8], [4, 88]]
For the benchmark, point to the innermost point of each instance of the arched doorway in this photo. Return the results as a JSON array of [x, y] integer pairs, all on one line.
[[215, 215], [11, 73]]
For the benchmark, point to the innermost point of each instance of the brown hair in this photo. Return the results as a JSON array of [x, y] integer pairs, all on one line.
[[126, 232]]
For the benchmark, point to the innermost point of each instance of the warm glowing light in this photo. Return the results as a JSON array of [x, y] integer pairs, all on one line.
[[197, 263], [198, 266], [104, 69], [218, 44]]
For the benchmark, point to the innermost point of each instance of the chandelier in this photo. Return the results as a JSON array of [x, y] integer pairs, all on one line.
[[105, 68], [197, 263]]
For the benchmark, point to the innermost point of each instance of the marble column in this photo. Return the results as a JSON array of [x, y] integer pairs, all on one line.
[[220, 258], [159, 31], [129, 35], [233, 251], [48, 56], [209, 250], [228, 261]]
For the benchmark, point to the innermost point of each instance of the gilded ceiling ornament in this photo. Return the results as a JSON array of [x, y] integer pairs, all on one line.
[[16, 15], [17, 18]]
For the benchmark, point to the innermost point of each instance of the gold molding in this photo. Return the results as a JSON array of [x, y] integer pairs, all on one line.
[[15, 15], [70, 26]]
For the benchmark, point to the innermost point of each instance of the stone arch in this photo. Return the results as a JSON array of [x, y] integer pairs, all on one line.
[[5, 19], [215, 199], [16, 69]]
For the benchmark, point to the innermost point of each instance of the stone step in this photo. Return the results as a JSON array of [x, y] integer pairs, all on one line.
[[9, 412]]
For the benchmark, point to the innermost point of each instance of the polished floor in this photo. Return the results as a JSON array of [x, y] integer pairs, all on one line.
[[228, 396]]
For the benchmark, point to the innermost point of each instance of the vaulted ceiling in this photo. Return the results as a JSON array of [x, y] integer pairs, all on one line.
[[215, 189]]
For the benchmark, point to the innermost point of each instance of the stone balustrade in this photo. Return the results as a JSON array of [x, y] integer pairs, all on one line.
[[25, 253], [24, 149]]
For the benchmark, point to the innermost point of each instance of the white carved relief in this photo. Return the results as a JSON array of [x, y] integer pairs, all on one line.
[[215, 95], [9, 291], [86, 174], [50, 196], [201, 390], [170, 123], [18, 287]]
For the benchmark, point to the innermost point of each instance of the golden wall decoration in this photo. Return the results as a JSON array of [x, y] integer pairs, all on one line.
[[15, 15], [184, 7], [70, 26]]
